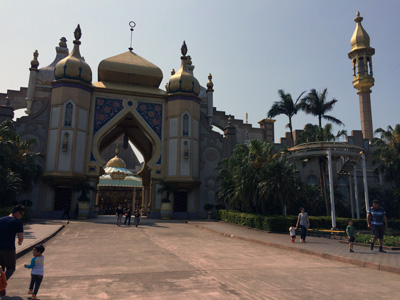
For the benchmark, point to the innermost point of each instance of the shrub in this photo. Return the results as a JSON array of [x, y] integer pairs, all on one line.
[[282, 224]]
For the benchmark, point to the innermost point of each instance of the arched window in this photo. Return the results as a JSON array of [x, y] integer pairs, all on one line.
[[185, 125], [68, 115]]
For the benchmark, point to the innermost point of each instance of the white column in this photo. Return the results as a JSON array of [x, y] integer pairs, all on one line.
[[333, 214], [351, 197], [356, 193], [364, 166]]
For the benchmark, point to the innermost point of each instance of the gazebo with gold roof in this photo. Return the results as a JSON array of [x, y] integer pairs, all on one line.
[[118, 185]]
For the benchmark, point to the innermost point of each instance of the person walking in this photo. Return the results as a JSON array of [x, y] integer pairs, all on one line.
[[9, 227], [76, 211], [37, 266], [119, 212], [128, 214], [137, 216], [67, 208], [377, 221], [304, 224]]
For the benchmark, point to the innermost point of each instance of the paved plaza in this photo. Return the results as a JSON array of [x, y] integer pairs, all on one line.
[[95, 259]]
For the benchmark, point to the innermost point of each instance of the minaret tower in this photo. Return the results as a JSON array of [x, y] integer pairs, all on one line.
[[363, 79]]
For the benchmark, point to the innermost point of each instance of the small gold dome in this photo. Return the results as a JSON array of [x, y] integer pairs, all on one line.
[[74, 66], [116, 162], [183, 80], [360, 38], [129, 67]]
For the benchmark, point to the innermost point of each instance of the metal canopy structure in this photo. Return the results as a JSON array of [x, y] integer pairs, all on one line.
[[346, 156]]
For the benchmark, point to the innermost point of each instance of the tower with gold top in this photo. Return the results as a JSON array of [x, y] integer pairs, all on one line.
[[363, 79]]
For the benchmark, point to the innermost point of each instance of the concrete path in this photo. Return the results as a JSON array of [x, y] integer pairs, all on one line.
[[95, 259], [317, 246]]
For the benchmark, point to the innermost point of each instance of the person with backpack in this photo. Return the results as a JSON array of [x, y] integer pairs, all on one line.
[[377, 221]]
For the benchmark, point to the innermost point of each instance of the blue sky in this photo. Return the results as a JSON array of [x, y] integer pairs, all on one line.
[[252, 48]]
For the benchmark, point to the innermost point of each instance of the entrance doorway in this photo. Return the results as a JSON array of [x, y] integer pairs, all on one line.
[[180, 201]]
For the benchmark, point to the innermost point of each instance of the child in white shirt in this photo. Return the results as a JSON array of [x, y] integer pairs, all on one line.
[[292, 232], [37, 266]]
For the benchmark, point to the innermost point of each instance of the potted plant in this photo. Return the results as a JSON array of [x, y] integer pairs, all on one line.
[[208, 208], [166, 206], [83, 200]]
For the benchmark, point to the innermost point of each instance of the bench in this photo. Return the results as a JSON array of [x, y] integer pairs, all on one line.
[[326, 233]]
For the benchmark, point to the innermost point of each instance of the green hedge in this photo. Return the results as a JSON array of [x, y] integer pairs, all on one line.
[[282, 224]]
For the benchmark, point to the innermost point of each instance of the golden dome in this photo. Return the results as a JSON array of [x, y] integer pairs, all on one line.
[[360, 38], [129, 67], [183, 80], [74, 66], [116, 162]]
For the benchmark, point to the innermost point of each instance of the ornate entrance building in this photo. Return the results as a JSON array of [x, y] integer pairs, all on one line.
[[75, 120]]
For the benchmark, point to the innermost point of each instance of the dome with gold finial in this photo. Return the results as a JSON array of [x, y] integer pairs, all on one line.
[[74, 66], [131, 68], [183, 80], [360, 38], [116, 162]]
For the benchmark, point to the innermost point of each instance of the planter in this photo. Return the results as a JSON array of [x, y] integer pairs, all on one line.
[[83, 209], [166, 210]]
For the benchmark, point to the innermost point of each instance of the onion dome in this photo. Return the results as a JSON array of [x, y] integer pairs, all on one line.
[[116, 162], [74, 66], [360, 38], [131, 68], [183, 80]]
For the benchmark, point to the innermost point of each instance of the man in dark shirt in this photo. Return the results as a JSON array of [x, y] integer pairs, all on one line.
[[376, 219], [9, 227]]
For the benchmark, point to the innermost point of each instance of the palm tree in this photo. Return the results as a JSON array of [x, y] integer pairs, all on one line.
[[167, 188], [316, 104], [285, 106], [386, 153], [84, 188], [19, 167], [280, 183], [313, 133]]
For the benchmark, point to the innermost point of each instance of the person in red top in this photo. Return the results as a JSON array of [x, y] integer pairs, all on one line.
[[3, 280]]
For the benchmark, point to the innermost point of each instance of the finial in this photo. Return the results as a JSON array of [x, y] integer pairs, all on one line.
[[131, 25], [210, 84], [34, 61], [247, 118], [229, 120], [358, 18], [184, 49], [63, 42], [117, 150], [78, 33], [172, 72]]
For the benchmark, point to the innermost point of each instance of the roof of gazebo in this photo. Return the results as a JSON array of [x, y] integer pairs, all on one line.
[[322, 148]]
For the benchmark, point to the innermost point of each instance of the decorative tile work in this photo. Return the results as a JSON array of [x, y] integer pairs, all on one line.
[[105, 110], [152, 114]]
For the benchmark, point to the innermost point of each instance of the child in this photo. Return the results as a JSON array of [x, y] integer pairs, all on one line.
[[351, 234], [3, 280], [292, 232], [37, 266]]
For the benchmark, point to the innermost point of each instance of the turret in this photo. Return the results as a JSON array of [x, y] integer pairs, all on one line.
[[361, 57]]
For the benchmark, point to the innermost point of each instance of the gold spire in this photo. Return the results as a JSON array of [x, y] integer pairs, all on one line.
[[210, 84], [360, 38], [34, 61]]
